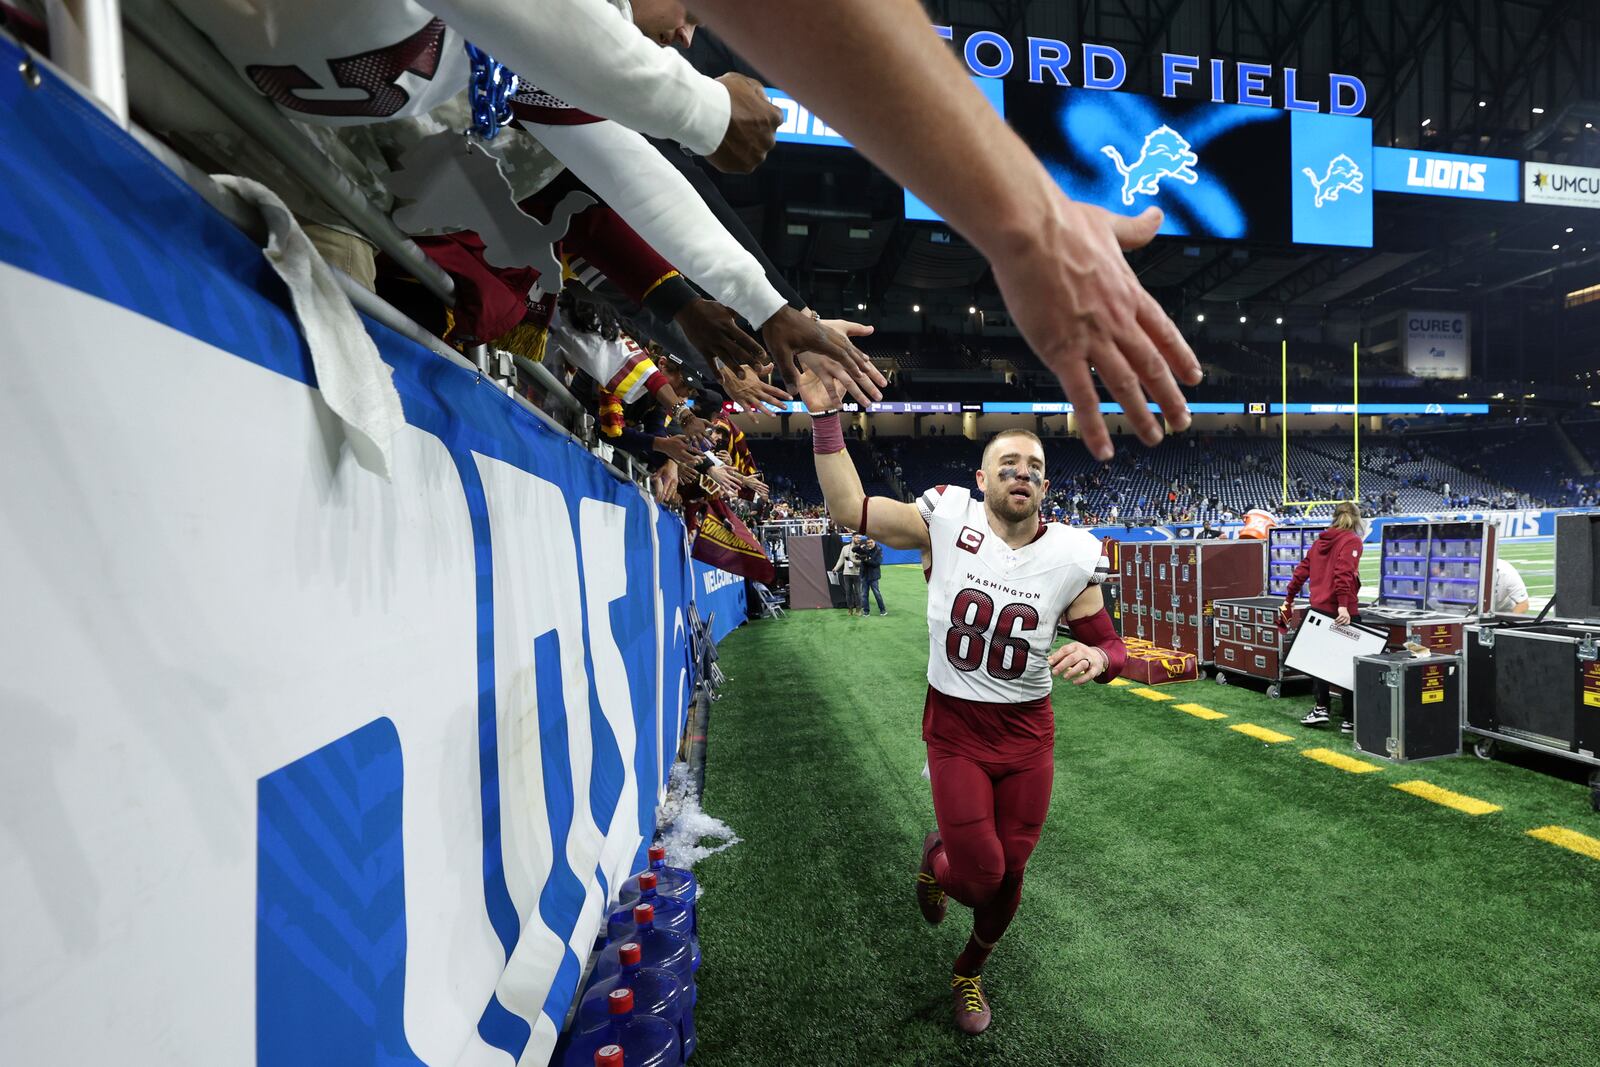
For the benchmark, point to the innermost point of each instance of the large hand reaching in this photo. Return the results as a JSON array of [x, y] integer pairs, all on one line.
[[796, 341], [1082, 310]]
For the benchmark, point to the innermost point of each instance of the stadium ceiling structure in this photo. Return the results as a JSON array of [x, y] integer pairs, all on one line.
[[1510, 78]]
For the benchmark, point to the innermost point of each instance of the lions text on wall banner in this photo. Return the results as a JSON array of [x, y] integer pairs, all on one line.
[[309, 767], [1403, 170]]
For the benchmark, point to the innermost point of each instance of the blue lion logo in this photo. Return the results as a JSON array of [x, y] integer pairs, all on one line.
[[1342, 174], [1165, 155]]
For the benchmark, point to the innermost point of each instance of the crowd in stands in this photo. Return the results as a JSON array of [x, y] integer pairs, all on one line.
[[1219, 477]]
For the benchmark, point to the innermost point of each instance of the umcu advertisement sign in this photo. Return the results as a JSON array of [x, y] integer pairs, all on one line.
[[1438, 344], [1401, 170], [1551, 183]]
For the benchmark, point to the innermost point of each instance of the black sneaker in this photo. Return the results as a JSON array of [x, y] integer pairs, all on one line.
[[1346, 726], [1318, 716]]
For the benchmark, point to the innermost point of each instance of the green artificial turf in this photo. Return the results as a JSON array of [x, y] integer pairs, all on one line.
[[1198, 897]]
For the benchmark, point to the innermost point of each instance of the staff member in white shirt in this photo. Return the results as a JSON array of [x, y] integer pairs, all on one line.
[[1510, 591]]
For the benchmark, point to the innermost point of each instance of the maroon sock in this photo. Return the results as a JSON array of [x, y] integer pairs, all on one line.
[[990, 920], [972, 958]]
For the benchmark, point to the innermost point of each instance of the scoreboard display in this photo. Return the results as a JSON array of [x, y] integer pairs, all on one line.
[[1229, 171]]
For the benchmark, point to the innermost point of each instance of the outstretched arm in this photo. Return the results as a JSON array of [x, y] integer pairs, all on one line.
[[1095, 653], [892, 87], [896, 524], [589, 55]]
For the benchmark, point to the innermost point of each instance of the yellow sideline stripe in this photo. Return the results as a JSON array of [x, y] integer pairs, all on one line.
[[1120, 682], [1260, 733], [1150, 694], [1200, 711], [1458, 801], [1340, 760], [1568, 839]]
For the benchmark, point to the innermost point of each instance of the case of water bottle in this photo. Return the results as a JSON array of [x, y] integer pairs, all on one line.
[[638, 1003]]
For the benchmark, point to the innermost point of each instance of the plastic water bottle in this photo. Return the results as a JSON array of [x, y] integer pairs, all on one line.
[[655, 992], [671, 914], [658, 948], [674, 882], [644, 1041]]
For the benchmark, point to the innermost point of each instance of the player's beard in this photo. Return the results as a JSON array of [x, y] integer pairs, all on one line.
[[1015, 509]]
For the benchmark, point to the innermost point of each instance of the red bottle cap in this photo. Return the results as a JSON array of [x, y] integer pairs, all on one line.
[[620, 1001], [644, 913], [657, 852], [608, 1056], [629, 953], [648, 881]]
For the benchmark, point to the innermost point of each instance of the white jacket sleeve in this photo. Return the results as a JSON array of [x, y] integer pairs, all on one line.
[[589, 55], [629, 174]]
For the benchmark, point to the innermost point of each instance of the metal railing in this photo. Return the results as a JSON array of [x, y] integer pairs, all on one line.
[[186, 50], [91, 41]]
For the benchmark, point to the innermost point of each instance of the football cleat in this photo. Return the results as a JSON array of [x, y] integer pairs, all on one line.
[[971, 1006], [930, 898]]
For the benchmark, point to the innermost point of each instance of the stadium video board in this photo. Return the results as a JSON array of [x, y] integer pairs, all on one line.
[[1230, 171], [1405, 170]]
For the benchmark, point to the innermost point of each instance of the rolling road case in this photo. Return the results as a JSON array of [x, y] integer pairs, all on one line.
[[1536, 686], [1578, 566], [1169, 589], [1248, 642], [1408, 708], [1432, 577]]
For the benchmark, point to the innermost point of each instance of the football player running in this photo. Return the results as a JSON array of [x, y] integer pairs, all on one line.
[[999, 578]]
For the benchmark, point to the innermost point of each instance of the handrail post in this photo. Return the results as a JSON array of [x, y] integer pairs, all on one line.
[[86, 42]]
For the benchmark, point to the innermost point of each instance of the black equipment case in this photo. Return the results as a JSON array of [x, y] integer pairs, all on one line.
[[1537, 686], [1408, 708]]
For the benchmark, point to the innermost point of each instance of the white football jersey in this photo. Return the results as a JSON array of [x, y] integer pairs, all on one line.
[[992, 609], [350, 63]]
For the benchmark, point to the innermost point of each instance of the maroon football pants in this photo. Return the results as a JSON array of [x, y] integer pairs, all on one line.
[[990, 816]]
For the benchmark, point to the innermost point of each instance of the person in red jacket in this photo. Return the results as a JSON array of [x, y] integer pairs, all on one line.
[[1333, 564]]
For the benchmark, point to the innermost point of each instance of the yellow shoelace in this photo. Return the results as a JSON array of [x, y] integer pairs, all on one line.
[[928, 886], [971, 990]]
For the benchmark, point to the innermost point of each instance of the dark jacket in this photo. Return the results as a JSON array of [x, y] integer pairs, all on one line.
[[871, 561], [1333, 564]]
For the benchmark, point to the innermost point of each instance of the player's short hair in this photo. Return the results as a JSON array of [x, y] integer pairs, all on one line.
[[1029, 434]]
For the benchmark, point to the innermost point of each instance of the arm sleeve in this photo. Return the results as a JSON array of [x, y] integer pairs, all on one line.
[[588, 54], [664, 210], [620, 366], [697, 177], [640, 444], [1097, 630], [602, 244]]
